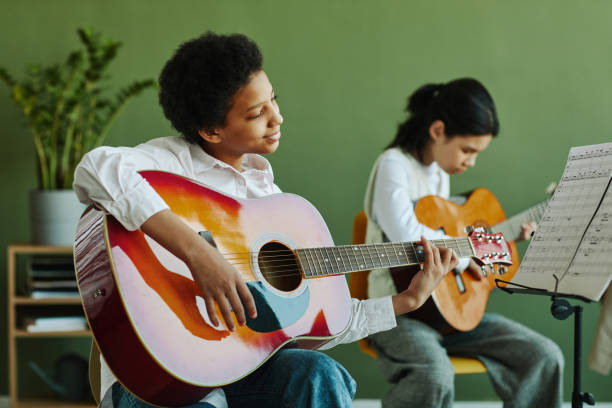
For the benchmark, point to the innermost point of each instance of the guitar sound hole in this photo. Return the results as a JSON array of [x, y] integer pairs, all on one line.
[[279, 267]]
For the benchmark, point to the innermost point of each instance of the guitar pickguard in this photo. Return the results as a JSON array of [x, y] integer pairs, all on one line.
[[275, 312]]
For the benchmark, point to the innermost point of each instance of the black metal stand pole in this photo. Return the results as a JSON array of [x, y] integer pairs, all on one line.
[[576, 394], [561, 309]]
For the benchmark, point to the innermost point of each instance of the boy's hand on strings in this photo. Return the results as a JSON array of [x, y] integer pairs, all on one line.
[[219, 282], [438, 261]]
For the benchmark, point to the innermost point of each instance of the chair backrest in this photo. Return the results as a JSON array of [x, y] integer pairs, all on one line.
[[94, 371], [358, 286]]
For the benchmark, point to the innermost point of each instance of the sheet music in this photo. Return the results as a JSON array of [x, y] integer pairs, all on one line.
[[574, 237]]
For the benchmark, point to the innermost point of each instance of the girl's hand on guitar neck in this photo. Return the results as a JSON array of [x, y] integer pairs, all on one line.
[[438, 261], [527, 230]]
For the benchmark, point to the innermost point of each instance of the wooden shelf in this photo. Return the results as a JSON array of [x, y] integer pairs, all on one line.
[[26, 300], [39, 249], [16, 302], [72, 333], [49, 403]]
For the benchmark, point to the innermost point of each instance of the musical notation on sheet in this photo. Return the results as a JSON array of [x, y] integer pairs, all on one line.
[[574, 237]]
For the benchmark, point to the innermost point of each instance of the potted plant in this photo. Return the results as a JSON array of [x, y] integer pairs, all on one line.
[[68, 114]]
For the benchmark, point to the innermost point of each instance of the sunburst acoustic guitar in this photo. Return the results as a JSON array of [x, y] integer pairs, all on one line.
[[460, 300], [150, 322]]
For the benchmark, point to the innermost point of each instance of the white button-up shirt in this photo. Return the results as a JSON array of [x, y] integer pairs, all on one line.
[[108, 177]]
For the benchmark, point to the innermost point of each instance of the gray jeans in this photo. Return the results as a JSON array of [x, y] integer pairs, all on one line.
[[526, 368]]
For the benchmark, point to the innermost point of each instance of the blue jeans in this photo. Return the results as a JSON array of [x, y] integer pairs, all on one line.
[[291, 378]]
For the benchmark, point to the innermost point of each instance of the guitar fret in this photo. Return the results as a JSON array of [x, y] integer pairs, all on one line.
[[324, 265], [387, 257], [369, 261], [319, 266], [333, 261], [416, 254], [373, 254], [312, 263], [363, 264], [380, 249], [344, 268], [348, 258], [395, 252], [303, 261], [400, 253], [382, 255], [337, 260], [327, 262], [511, 228]]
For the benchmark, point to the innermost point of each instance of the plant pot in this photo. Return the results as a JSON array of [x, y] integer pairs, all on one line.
[[54, 215]]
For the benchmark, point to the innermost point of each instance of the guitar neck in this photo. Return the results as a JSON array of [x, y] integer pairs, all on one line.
[[511, 228], [326, 261]]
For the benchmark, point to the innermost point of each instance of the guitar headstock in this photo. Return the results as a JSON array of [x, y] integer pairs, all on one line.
[[490, 248]]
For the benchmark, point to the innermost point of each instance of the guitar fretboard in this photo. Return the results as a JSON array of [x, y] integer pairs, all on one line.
[[325, 261], [511, 228]]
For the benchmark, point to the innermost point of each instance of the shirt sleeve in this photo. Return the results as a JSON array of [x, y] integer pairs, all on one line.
[[109, 178], [368, 316], [393, 208]]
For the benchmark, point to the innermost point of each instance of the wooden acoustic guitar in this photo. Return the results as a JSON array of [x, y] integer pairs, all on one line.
[[150, 322], [459, 302]]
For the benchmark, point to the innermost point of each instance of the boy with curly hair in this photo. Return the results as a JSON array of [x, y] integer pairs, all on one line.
[[216, 94]]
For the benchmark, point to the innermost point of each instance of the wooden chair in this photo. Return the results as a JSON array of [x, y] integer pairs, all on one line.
[[358, 286], [94, 371]]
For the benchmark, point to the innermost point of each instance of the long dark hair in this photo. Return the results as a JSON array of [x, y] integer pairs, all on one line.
[[464, 105]]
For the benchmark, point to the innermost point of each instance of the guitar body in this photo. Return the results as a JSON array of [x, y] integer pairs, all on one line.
[[462, 310], [145, 310]]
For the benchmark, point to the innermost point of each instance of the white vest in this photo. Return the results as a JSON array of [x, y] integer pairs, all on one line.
[[380, 282]]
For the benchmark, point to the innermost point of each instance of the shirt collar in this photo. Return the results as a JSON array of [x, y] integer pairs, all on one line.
[[250, 162]]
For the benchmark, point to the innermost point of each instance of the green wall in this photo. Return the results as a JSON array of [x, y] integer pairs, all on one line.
[[343, 70]]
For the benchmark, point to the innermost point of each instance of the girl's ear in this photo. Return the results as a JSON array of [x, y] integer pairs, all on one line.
[[437, 130], [209, 135]]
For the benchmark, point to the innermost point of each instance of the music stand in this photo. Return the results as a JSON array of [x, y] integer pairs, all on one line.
[[561, 310]]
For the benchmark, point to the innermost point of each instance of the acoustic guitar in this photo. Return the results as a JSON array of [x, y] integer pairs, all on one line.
[[147, 315], [460, 300]]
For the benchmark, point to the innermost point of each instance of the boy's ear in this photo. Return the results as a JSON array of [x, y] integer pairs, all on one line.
[[209, 135], [437, 130]]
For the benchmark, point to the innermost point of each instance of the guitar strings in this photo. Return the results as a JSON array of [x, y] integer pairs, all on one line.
[[296, 270], [275, 258], [436, 242], [458, 246]]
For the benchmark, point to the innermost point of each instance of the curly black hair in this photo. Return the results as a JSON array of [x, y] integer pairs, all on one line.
[[198, 83]]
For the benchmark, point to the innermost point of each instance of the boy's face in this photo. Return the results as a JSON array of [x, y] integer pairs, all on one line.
[[252, 124]]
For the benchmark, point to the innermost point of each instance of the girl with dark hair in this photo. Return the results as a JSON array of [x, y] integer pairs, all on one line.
[[217, 96], [448, 125]]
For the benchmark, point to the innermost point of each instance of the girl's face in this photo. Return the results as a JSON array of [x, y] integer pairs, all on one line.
[[252, 124], [456, 154]]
